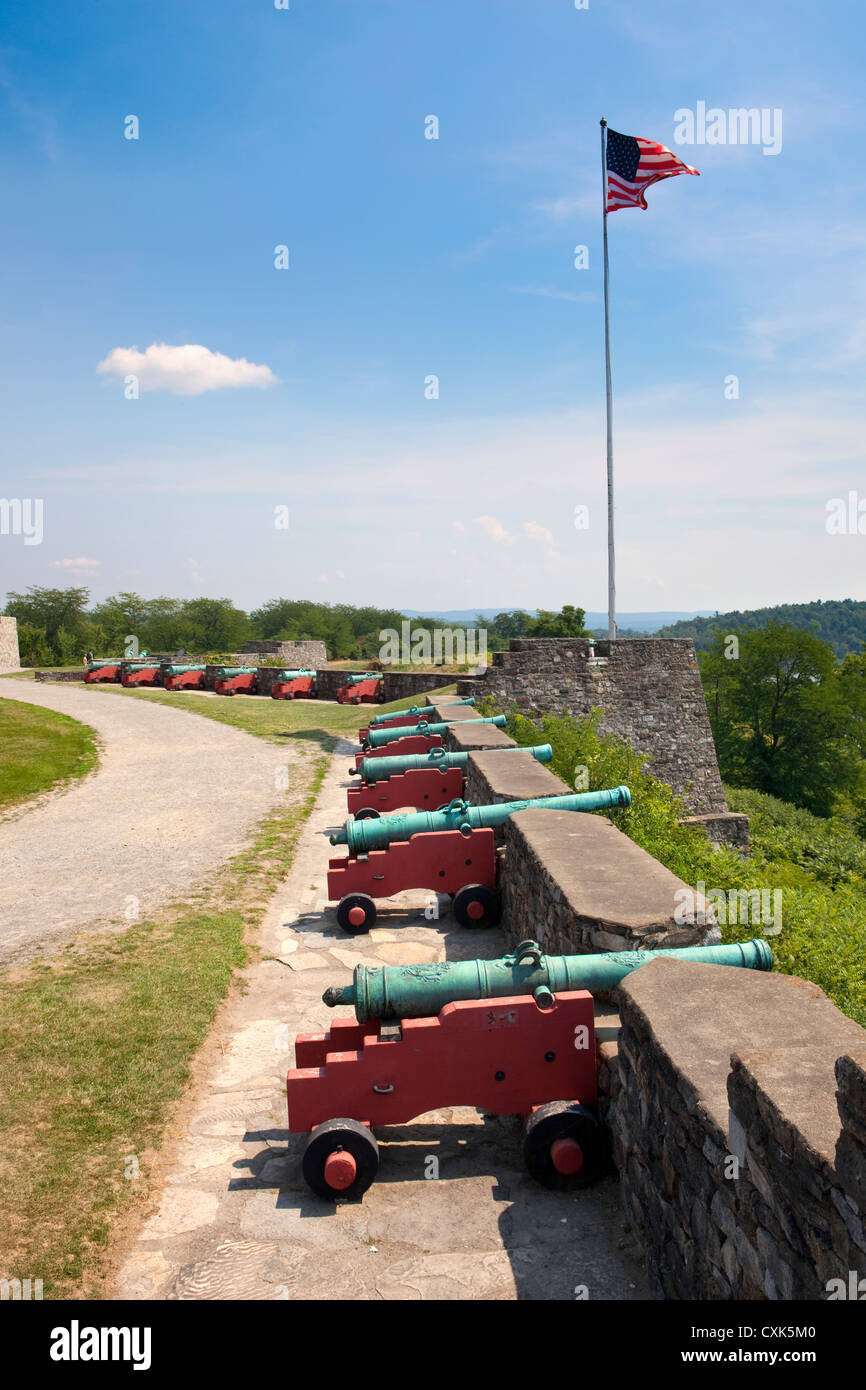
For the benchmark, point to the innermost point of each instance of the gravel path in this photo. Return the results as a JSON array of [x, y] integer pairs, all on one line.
[[453, 1214], [174, 796]]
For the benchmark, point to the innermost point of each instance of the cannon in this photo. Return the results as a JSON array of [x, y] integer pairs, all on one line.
[[379, 769], [414, 713], [290, 685], [141, 673], [448, 851], [389, 992], [424, 780], [408, 721], [378, 738], [236, 680], [509, 1036], [362, 690], [183, 677], [103, 670]]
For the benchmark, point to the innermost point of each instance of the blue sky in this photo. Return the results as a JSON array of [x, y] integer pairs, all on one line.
[[412, 257]]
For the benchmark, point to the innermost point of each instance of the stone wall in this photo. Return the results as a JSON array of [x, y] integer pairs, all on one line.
[[295, 656], [742, 1167], [76, 674], [9, 659], [649, 691]]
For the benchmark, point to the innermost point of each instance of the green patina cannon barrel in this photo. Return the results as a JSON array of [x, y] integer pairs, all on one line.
[[380, 769], [363, 835], [420, 710], [377, 738], [367, 676], [181, 670], [141, 665], [226, 672], [293, 675], [420, 991], [101, 661]]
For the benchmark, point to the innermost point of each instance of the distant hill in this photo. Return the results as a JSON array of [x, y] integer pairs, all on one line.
[[840, 622], [642, 623]]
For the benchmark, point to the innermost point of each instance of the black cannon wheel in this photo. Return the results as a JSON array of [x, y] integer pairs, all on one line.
[[564, 1146], [476, 905], [367, 813], [380, 699], [351, 906], [341, 1159]]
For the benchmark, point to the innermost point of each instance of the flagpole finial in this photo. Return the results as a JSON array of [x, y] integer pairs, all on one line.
[[602, 121]]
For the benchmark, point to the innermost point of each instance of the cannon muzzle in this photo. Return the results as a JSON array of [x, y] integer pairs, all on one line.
[[421, 991], [364, 835]]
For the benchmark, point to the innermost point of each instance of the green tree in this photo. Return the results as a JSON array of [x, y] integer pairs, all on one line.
[[567, 623], [780, 717], [50, 610], [212, 624]]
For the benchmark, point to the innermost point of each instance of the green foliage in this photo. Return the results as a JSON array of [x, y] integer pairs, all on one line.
[[34, 648], [166, 624], [782, 716], [348, 632], [829, 850], [50, 610], [839, 622], [567, 623]]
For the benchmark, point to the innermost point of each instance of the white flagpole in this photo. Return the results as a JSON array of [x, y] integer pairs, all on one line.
[[611, 571]]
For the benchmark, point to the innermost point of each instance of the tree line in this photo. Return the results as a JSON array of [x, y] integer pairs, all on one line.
[[56, 626]]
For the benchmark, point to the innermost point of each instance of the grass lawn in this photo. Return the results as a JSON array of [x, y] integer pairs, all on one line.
[[275, 720], [40, 749]]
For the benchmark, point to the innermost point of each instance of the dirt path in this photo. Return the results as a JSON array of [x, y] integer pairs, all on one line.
[[235, 1219], [174, 796]]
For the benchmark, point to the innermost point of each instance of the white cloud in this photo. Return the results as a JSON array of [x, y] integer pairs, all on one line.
[[537, 533], [81, 564], [494, 529], [187, 370], [573, 296], [566, 209]]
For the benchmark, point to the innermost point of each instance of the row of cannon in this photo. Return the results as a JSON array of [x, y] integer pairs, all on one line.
[[510, 1036], [366, 688]]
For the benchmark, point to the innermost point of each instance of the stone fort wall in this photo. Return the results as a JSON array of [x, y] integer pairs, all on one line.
[[9, 657], [648, 689]]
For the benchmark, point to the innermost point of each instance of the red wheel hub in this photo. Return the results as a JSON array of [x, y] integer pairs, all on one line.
[[567, 1156], [357, 916], [340, 1170], [475, 910]]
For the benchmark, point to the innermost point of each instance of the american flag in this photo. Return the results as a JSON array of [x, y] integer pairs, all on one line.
[[632, 165]]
